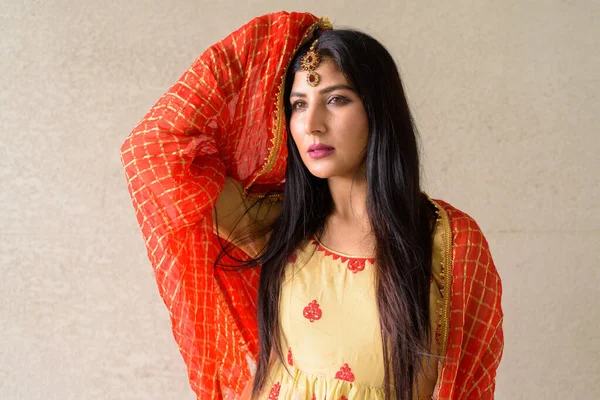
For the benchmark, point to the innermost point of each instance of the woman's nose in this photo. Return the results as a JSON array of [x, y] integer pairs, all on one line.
[[314, 122]]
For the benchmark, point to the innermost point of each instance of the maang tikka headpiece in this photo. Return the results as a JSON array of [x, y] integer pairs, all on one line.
[[310, 62]]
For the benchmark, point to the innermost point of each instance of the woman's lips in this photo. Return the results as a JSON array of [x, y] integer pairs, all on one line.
[[319, 151]]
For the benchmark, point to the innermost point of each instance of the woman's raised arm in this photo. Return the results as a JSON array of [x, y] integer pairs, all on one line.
[[216, 121]]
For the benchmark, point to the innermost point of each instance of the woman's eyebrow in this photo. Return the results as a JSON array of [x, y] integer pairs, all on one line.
[[328, 89]]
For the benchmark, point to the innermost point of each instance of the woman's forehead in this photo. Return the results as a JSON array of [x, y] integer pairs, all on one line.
[[329, 75]]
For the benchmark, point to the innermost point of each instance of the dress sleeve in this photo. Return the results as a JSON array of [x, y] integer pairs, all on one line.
[[235, 218], [475, 340]]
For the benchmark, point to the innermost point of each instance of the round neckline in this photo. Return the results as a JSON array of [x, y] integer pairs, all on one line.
[[340, 253]]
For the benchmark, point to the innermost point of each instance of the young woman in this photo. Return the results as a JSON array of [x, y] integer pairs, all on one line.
[[356, 284]]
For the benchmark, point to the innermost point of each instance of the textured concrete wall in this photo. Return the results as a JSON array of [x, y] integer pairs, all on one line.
[[506, 98]]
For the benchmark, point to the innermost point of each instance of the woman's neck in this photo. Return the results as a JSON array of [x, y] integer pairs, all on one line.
[[349, 199], [348, 228]]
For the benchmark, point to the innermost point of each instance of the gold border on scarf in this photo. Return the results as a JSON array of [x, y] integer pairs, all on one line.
[[278, 138], [443, 309]]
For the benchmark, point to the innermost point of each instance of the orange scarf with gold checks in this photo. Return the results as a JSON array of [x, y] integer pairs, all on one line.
[[224, 116]]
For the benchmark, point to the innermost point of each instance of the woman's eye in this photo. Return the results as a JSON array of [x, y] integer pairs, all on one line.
[[297, 105], [338, 100]]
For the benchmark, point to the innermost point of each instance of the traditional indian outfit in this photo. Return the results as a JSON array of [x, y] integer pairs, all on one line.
[[218, 134]]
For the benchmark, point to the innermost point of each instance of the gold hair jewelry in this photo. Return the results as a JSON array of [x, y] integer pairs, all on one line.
[[309, 63]]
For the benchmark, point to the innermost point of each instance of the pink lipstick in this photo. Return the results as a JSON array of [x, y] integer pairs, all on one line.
[[319, 150]]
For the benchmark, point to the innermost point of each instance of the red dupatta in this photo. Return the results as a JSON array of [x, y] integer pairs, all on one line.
[[225, 117]]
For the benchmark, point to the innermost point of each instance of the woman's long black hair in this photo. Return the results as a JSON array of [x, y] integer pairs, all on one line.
[[399, 213]]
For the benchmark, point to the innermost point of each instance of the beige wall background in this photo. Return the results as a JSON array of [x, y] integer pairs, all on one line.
[[506, 98]]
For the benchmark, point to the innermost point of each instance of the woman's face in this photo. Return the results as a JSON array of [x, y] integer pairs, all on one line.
[[328, 123]]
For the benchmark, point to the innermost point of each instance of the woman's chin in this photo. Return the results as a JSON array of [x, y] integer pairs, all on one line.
[[322, 173]]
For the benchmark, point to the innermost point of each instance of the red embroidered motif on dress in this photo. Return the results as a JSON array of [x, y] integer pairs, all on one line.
[[312, 311], [343, 398], [354, 264], [345, 374], [274, 393], [290, 359]]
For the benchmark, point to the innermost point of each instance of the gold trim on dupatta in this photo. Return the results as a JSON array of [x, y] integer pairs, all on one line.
[[443, 306], [278, 135]]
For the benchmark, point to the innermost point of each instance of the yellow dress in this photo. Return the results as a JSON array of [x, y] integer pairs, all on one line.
[[328, 315], [330, 328]]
